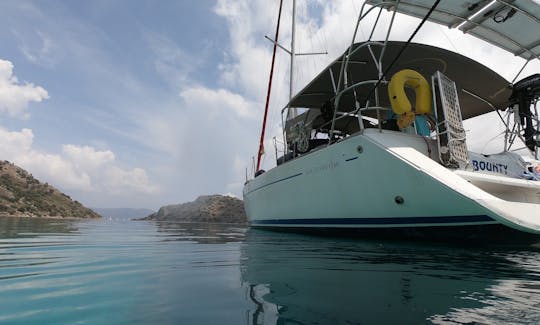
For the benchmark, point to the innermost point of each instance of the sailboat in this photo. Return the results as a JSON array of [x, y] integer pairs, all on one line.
[[376, 142]]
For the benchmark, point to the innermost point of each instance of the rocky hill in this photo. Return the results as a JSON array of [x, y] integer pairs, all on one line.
[[21, 195], [208, 208]]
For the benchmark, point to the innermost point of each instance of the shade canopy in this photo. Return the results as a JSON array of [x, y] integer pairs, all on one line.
[[470, 77]]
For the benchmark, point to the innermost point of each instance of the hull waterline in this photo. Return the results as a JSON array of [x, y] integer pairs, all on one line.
[[377, 180]]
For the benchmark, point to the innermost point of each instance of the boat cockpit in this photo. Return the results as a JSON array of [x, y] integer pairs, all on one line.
[[429, 93]]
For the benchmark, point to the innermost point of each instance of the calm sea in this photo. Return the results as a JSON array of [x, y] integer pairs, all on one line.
[[139, 272]]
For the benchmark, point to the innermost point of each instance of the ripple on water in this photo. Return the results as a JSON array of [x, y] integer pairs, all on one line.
[[114, 272], [162, 272]]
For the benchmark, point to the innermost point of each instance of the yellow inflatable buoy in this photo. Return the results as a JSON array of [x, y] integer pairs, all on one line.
[[405, 120], [398, 98]]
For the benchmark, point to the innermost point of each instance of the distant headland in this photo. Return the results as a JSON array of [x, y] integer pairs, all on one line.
[[207, 208], [21, 195]]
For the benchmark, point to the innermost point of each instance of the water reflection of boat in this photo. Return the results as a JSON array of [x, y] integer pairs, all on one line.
[[510, 300], [358, 155], [300, 279]]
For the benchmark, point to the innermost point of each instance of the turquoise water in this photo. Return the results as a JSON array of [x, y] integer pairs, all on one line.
[[139, 272]]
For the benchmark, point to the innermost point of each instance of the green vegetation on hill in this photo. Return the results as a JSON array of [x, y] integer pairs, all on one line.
[[207, 208], [21, 195]]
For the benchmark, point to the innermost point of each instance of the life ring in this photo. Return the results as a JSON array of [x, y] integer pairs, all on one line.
[[398, 98]]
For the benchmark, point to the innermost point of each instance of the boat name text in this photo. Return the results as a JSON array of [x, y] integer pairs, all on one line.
[[490, 166], [322, 168]]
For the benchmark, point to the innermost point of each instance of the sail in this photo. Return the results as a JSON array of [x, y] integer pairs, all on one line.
[[511, 25]]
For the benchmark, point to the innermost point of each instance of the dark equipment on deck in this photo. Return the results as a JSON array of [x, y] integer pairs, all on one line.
[[524, 93]]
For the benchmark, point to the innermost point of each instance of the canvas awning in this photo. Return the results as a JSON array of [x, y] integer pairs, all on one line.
[[469, 76]]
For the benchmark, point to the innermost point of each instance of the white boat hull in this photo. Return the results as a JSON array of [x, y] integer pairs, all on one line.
[[359, 183]]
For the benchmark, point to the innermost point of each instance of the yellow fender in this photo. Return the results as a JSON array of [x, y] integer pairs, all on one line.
[[398, 99], [406, 119]]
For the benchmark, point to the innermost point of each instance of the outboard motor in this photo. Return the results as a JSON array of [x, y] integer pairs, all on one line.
[[524, 93], [327, 111]]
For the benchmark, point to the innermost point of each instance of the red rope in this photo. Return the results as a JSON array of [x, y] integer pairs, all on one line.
[[261, 143]]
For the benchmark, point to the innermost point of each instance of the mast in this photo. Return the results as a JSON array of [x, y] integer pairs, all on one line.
[[261, 142], [292, 111]]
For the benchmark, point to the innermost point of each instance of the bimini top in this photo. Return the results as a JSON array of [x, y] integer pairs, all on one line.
[[476, 83], [513, 25]]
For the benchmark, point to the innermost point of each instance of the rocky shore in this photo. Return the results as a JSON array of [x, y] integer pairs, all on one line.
[[208, 208], [21, 195]]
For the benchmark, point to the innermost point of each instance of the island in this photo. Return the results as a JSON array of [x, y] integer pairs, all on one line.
[[21, 195], [206, 208]]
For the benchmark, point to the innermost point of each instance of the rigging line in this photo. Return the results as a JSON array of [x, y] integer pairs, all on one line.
[[314, 30], [323, 34], [500, 116], [357, 13], [375, 24], [488, 103], [261, 142], [521, 70], [403, 48], [448, 38], [397, 56], [489, 141], [322, 44]]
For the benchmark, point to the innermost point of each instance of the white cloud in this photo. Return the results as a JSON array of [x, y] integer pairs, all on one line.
[[177, 129], [232, 195], [201, 136], [43, 54], [87, 158], [171, 62], [17, 147], [248, 58], [211, 101], [81, 168], [117, 180], [15, 97]]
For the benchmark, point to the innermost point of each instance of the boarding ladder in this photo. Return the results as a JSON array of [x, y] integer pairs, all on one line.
[[451, 137]]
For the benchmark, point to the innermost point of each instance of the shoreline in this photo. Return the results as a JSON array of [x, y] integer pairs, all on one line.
[[46, 217]]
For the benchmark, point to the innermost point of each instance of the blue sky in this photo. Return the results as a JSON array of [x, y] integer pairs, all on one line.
[[146, 103], [113, 73]]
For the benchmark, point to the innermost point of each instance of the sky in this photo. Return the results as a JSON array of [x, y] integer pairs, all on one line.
[[131, 103]]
